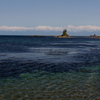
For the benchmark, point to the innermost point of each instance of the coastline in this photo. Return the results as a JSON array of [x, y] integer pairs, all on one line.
[[59, 36], [95, 36]]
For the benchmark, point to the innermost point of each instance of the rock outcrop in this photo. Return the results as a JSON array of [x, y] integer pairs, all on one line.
[[59, 36], [95, 36], [64, 35]]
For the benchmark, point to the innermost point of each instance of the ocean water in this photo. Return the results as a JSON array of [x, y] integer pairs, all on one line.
[[48, 68]]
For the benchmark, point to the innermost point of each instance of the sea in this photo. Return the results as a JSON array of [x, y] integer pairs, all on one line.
[[49, 68]]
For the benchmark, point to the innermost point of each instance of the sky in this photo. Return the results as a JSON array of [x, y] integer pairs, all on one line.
[[48, 17]]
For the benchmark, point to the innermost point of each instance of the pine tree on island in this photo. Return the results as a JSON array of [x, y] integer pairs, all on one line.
[[65, 33]]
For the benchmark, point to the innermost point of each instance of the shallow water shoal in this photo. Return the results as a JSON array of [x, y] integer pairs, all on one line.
[[83, 84]]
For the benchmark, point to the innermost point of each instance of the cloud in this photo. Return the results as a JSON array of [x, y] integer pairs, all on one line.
[[83, 28], [13, 28], [49, 28], [44, 28]]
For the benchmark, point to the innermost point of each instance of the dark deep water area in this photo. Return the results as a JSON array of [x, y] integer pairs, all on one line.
[[49, 68]]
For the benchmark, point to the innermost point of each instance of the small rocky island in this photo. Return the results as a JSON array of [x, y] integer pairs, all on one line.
[[95, 36], [64, 35]]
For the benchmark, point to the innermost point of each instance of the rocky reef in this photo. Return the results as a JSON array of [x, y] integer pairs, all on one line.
[[95, 36]]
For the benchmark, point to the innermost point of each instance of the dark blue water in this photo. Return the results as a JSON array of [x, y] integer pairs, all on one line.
[[21, 54], [36, 68]]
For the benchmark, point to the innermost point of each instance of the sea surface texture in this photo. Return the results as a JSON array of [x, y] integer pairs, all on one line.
[[49, 68]]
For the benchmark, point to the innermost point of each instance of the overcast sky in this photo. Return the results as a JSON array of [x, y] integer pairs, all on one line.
[[55, 15]]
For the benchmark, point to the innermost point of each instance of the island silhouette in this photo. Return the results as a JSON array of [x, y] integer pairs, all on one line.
[[64, 34]]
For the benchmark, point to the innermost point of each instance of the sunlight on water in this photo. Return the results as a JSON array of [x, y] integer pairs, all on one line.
[[42, 85]]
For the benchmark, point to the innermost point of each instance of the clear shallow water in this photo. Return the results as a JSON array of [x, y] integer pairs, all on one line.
[[33, 68]]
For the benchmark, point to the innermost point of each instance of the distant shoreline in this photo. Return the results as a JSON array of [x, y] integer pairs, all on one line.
[[56, 36], [59, 36], [95, 36]]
